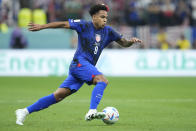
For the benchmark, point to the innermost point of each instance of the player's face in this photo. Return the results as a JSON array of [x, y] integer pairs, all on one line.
[[100, 19]]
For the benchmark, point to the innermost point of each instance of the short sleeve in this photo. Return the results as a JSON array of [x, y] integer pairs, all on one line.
[[76, 24], [113, 35]]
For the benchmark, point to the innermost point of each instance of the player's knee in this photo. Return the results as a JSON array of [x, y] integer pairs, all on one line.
[[100, 78], [61, 93], [59, 96], [105, 81]]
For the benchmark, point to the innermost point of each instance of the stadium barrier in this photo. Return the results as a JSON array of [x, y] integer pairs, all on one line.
[[67, 39], [45, 39], [123, 62]]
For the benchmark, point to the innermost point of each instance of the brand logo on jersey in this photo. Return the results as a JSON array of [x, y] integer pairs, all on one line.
[[98, 37], [77, 20]]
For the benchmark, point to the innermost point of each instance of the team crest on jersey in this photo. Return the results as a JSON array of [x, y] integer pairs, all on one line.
[[98, 37]]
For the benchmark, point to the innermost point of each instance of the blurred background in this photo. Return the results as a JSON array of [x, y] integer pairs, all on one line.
[[163, 25], [153, 87]]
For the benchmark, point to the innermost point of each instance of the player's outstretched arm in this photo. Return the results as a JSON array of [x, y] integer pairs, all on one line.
[[127, 43], [37, 27]]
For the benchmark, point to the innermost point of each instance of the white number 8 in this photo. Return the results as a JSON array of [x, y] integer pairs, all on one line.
[[96, 49]]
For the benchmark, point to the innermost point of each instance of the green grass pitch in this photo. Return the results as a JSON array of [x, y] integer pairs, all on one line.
[[144, 104]]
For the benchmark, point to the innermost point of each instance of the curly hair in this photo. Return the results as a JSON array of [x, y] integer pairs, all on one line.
[[96, 8]]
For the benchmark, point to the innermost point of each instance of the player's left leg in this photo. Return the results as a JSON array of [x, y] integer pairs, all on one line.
[[101, 82], [86, 72]]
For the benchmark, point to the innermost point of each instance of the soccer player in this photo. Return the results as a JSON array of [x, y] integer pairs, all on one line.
[[93, 37]]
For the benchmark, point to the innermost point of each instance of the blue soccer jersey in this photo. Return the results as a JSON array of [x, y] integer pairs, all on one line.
[[92, 41]]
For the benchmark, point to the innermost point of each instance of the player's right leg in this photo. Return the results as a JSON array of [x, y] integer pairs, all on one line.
[[69, 86], [41, 104]]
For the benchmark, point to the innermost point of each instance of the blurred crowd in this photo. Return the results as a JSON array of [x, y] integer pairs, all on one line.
[[129, 12], [157, 14]]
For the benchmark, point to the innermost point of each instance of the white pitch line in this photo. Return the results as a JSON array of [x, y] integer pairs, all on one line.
[[178, 100]]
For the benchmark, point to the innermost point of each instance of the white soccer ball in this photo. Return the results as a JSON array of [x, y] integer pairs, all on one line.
[[112, 115]]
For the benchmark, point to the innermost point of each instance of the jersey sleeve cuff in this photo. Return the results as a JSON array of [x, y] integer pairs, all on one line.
[[71, 23]]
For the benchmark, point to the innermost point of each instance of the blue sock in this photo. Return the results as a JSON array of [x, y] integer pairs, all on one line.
[[42, 103], [97, 94]]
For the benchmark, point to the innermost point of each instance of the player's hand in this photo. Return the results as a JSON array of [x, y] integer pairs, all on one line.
[[136, 40], [34, 27]]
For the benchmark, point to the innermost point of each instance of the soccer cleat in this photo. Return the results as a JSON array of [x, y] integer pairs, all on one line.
[[21, 115], [93, 114]]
